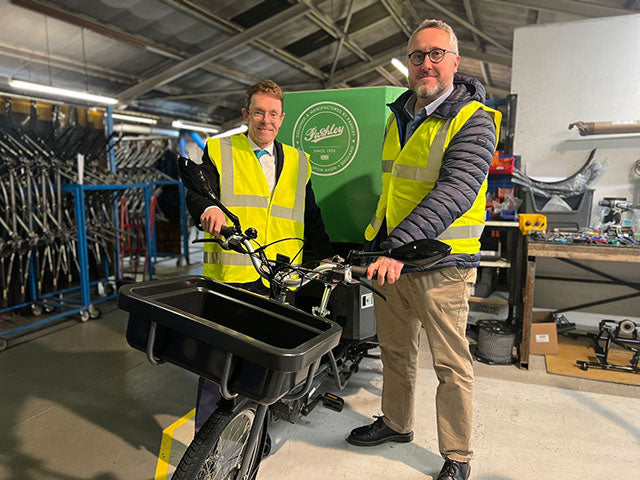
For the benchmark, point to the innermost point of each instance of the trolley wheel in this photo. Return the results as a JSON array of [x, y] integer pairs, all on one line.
[[3, 344], [36, 309], [219, 447], [94, 312], [49, 308], [109, 289], [179, 262], [84, 315]]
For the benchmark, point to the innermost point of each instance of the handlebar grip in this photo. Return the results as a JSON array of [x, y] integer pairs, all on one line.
[[227, 231], [358, 272]]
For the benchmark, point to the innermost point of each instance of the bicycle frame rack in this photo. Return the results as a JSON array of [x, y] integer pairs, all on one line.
[[58, 220]]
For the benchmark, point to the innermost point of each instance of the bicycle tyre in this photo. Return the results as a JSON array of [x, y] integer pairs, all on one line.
[[217, 450]]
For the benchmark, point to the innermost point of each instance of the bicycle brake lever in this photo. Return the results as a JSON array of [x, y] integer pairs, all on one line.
[[223, 243]]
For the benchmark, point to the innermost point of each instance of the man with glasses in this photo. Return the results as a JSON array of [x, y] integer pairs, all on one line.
[[438, 146], [268, 186]]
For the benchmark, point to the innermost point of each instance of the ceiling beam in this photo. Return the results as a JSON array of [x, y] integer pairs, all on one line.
[[486, 57], [362, 68], [388, 76], [467, 24], [572, 7], [238, 91], [476, 39], [204, 14], [325, 23], [400, 52], [65, 63], [232, 43], [397, 17], [343, 37], [55, 11]]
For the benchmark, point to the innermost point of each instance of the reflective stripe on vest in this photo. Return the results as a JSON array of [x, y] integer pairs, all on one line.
[[431, 172], [411, 179], [275, 215], [297, 212], [227, 196], [227, 258]]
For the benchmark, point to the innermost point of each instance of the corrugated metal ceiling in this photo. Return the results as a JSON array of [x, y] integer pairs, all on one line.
[[129, 45]]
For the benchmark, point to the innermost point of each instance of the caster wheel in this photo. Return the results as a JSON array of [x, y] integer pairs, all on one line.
[[109, 289], [94, 312], [36, 310], [49, 308], [179, 262], [3, 344], [83, 315]]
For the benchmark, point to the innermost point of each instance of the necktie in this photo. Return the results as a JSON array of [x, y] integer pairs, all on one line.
[[260, 153]]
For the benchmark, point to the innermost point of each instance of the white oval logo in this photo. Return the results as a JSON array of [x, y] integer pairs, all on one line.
[[329, 133]]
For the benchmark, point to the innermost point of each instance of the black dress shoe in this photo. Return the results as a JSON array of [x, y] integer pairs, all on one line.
[[377, 433], [453, 470]]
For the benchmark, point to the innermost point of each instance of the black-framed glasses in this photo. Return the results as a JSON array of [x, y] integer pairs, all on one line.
[[436, 55]]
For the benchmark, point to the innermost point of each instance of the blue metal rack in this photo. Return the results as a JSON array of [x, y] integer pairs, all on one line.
[[183, 223], [67, 299]]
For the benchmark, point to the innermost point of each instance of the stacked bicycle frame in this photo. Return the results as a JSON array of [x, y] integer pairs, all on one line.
[[60, 236]]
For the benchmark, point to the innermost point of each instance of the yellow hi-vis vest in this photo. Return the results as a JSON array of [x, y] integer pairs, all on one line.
[[409, 174], [244, 191]]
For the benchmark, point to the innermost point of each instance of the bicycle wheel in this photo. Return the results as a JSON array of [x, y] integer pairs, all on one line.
[[217, 451]]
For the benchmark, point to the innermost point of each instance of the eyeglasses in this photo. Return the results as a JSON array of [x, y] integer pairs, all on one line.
[[259, 115], [436, 55]]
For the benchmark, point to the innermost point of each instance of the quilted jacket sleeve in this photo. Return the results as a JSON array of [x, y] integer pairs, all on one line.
[[464, 168]]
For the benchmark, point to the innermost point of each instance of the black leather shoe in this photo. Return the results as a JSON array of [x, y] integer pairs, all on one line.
[[377, 433], [453, 470]]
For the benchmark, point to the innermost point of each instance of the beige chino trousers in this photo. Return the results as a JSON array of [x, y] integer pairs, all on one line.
[[438, 301]]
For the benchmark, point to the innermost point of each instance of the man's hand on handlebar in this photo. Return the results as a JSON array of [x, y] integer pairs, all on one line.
[[387, 268], [212, 220]]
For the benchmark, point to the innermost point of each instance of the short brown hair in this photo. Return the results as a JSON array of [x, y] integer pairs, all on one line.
[[268, 87]]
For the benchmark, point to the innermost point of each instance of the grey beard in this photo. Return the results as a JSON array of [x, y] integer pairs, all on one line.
[[427, 93]]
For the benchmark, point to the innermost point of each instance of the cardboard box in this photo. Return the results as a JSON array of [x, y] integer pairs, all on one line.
[[544, 335]]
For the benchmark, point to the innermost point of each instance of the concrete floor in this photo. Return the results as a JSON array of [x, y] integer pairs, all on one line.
[[79, 403]]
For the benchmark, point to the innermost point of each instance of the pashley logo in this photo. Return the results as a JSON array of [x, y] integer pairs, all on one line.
[[329, 133]]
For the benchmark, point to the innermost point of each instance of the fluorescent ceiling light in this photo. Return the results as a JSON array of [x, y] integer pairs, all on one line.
[[233, 131], [134, 118], [62, 92], [400, 66], [196, 127]]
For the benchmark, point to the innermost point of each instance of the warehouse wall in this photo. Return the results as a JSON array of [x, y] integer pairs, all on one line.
[[586, 70]]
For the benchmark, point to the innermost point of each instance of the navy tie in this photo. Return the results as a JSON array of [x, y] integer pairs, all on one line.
[[260, 153]]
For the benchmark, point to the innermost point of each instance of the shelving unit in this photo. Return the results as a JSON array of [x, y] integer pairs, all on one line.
[[495, 302]]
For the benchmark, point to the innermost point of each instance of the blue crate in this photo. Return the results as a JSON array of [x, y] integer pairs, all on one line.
[[499, 181]]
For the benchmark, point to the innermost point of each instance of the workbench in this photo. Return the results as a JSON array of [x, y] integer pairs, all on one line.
[[570, 253]]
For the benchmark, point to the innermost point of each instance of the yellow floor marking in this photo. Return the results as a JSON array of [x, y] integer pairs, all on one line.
[[162, 468]]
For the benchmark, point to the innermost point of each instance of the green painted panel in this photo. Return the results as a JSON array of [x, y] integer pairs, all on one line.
[[342, 131]]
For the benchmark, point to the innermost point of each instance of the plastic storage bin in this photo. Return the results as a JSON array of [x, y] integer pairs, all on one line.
[[199, 321], [578, 218]]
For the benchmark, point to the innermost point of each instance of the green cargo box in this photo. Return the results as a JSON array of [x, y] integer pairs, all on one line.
[[342, 131]]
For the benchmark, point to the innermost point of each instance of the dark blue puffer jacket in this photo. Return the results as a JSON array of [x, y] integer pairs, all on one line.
[[464, 168]]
